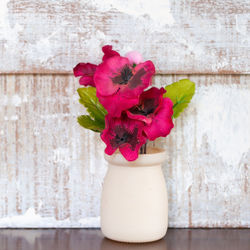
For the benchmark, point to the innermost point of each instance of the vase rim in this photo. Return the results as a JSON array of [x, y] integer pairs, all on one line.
[[155, 156]]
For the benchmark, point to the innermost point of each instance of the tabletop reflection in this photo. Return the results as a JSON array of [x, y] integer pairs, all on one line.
[[113, 245]]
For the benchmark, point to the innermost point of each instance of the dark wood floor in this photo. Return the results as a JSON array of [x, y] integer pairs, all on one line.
[[92, 239]]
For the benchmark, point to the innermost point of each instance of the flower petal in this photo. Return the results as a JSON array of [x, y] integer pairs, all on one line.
[[105, 73], [149, 103], [87, 81], [162, 123], [124, 134], [116, 103], [108, 52], [139, 117], [86, 71], [109, 150], [128, 153], [142, 78]]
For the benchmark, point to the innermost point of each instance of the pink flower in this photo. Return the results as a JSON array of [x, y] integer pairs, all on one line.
[[125, 134], [108, 52], [155, 111], [117, 79], [134, 57], [86, 71]]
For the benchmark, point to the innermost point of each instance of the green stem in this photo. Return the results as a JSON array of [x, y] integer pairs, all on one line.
[[143, 149]]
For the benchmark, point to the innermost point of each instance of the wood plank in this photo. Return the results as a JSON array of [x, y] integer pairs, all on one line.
[[184, 37], [51, 170]]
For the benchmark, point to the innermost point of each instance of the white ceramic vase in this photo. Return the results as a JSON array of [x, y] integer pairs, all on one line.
[[134, 204]]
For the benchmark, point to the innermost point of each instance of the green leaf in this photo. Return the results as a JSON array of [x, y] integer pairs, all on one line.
[[87, 122], [96, 111], [89, 99], [181, 94]]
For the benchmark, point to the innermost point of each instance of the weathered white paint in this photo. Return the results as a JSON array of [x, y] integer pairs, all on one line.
[[30, 219], [51, 170], [210, 149], [179, 36], [158, 11], [219, 106]]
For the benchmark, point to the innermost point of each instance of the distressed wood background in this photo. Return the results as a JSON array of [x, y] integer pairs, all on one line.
[[51, 170]]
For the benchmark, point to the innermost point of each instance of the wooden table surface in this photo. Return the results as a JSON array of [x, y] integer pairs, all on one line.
[[92, 239]]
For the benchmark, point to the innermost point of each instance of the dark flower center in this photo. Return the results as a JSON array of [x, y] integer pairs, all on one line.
[[124, 77], [137, 78], [122, 136], [147, 107]]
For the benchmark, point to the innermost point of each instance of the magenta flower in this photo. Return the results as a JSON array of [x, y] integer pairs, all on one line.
[[155, 111], [108, 52], [134, 57], [86, 71], [125, 134], [116, 79]]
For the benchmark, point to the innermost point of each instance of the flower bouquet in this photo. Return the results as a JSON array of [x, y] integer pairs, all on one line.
[[128, 113]]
